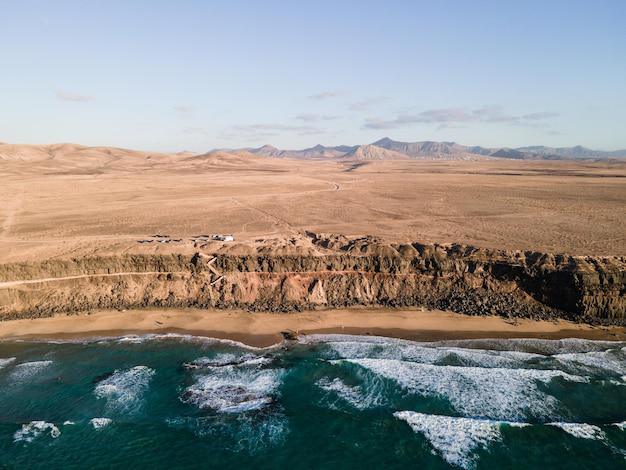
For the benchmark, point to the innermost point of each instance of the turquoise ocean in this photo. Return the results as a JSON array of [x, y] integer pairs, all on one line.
[[326, 401]]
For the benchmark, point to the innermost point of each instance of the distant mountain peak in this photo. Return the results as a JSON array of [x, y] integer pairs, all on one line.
[[373, 152], [385, 141], [387, 148]]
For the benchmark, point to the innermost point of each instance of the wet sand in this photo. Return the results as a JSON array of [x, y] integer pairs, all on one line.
[[264, 329]]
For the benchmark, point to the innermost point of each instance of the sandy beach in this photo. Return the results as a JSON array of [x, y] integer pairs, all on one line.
[[264, 329]]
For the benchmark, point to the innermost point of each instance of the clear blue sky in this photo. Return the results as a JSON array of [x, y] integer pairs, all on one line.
[[196, 75]]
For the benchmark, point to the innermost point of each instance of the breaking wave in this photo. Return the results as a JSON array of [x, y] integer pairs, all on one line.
[[5, 361], [534, 345], [354, 395], [34, 429], [124, 389], [581, 430], [407, 351], [226, 359], [456, 439], [28, 370], [235, 388], [99, 423], [509, 394], [612, 360]]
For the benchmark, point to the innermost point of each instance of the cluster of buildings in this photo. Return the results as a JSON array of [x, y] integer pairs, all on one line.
[[158, 238]]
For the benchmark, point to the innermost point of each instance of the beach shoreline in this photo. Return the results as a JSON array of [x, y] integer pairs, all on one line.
[[263, 329]]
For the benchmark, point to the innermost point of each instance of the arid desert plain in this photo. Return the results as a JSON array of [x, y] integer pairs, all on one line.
[[67, 201], [85, 229]]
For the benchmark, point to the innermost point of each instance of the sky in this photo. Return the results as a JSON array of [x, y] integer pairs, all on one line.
[[197, 75]]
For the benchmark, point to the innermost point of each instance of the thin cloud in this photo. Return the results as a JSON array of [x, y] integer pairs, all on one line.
[[65, 95], [540, 116], [494, 114], [194, 130], [310, 117], [449, 116], [324, 95], [446, 125], [251, 132], [272, 127], [184, 110], [446, 115], [367, 103]]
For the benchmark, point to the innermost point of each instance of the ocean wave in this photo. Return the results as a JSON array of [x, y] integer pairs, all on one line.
[[415, 352], [621, 425], [353, 395], [124, 389], [581, 430], [5, 361], [28, 370], [145, 338], [544, 347], [456, 439], [226, 359], [337, 338], [515, 424], [535, 345], [243, 432], [99, 423], [235, 388], [507, 394], [34, 429], [612, 360], [187, 338]]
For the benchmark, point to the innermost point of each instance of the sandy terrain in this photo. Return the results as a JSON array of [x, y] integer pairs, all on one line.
[[67, 201], [263, 329]]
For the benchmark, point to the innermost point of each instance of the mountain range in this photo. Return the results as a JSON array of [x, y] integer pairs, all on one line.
[[388, 149]]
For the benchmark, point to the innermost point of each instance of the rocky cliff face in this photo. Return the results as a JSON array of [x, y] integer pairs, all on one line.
[[344, 272]]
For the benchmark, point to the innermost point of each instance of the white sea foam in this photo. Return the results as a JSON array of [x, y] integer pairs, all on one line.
[[456, 439], [488, 358], [5, 361], [581, 430], [529, 345], [99, 423], [392, 350], [509, 394], [226, 359], [414, 352], [621, 425], [234, 388], [68, 423], [28, 370], [336, 338], [535, 345], [352, 394], [138, 339], [124, 389], [612, 360], [34, 429], [144, 338]]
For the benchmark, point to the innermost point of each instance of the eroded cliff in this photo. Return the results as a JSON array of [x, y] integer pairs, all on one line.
[[339, 272]]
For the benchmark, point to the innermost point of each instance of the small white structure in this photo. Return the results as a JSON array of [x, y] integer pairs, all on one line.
[[222, 238]]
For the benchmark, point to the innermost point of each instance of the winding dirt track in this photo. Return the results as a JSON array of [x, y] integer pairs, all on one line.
[[12, 284]]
